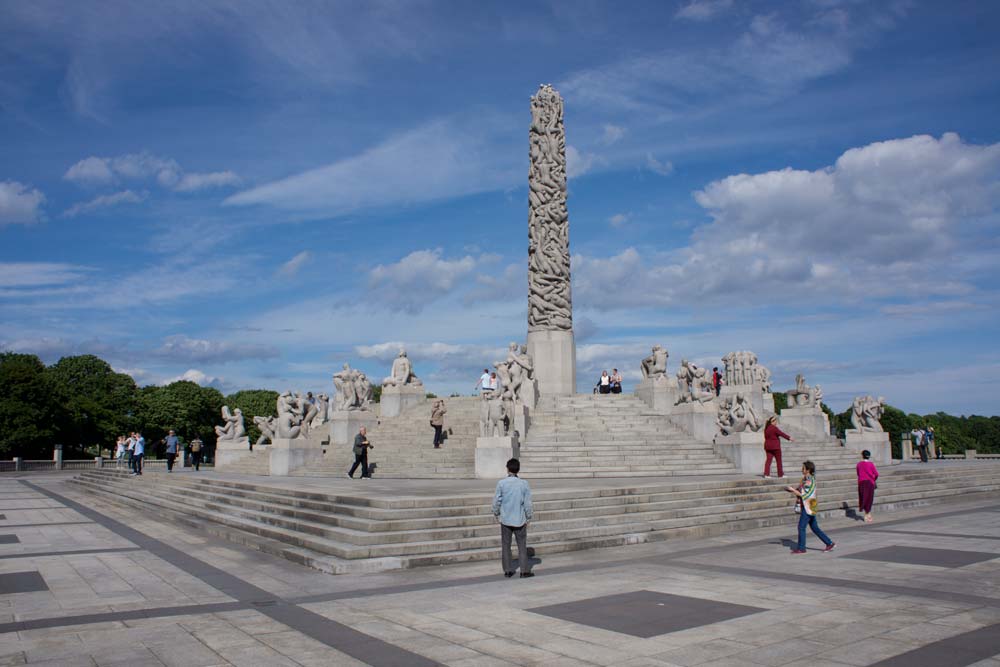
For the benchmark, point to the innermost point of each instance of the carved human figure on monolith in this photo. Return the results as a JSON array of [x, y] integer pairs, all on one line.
[[346, 397], [289, 424], [685, 381], [655, 365], [402, 372], [364, 391], [266, 425], [741, 416]]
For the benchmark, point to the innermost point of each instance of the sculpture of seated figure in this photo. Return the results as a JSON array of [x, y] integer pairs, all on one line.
[[233, 428], [741, 416], [402, 372], [685, 380], [655, 365], [866, 413], [266, 426], [800, 395], [701, 386]]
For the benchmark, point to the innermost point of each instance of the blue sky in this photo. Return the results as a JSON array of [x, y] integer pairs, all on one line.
[[251, 193]]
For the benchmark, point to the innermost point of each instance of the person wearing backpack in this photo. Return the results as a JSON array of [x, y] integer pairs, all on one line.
[[196, 446]]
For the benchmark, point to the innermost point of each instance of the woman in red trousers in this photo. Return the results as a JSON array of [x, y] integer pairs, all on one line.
[[772, 445]]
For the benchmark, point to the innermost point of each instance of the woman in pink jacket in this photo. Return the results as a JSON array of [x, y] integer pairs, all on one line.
[[867, 474], [772, 445]]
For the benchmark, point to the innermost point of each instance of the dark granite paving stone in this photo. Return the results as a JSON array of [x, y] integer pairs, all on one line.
[[69, 552], [645, 613], [22, 582], [3, 517], [923, 556], [113, 616], [961, 536], [957, 651], [9, 539]]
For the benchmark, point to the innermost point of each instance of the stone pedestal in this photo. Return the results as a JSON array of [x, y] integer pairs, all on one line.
[[57, 456], [529, 393], [659, 393], [876, 442], [521, 420], [697, 419], [767, 401], [182, 458], [808, 420], [492, 455], [754, 393], [745, 450], [345, 425], [554, 354], [291, 454], [396, 399], [228, 452]]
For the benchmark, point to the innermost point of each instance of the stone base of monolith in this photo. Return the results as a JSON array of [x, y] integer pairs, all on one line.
[[697, 419], [753, 393], [876, 442], [294, 454], [808, 420], [745, 450], [228, 452], [659, 393], [492, 454], [396, 399], [345, 425], [554, 354], [521, 420]]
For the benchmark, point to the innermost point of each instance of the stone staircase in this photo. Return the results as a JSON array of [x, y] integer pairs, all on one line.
[[602, 435], [340, 533], [255, 462], [404, 446], [826, 452]]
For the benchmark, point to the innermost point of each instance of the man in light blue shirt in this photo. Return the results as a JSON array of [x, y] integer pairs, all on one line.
[[137, 452], [512, 508], [171, 442]]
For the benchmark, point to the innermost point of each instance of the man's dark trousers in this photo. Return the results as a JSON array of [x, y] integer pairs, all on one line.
[[521, 535], [170, 460], [360, 460]]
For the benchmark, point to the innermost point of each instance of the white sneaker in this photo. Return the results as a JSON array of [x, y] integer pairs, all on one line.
[[766, 476]]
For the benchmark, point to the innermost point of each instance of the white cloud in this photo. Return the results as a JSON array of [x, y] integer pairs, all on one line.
[[292, 266], [577, 163], [443, 159], [619, 219], [862, 229], [612, 134], [661, 168], [217, 179], [19, 203], [145, 167], [703, 10], [421, 277], [106, 201], [39, 274], [181, 349], [196, 376]]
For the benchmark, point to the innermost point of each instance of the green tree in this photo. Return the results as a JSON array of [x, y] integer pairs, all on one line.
[[188, 408], [99, 404], [780, 401], [28, 410], [254, 403]]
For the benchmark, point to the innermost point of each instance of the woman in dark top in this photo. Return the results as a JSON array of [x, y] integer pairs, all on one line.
[[772, 445]]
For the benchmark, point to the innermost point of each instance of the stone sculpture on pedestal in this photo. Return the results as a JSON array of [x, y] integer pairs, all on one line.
[[346, 395], [738, 416], [289, 423], [694, 384], [233, 428], [322, 410], [550, 303], [402, 372], [492, 417], [866, 413], [266, 425], [804, 411], [655, 365]]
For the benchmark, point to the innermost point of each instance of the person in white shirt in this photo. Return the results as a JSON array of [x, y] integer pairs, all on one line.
[[484, 382]]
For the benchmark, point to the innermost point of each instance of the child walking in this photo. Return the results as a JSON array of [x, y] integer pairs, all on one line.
[[806, 492], [867, 474]]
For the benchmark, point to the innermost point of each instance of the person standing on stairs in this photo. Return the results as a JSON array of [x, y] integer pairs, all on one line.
[[867, 474], [171, 442], [361, 447], [772, 446], [437, 421], [137, 453], [512, 509]]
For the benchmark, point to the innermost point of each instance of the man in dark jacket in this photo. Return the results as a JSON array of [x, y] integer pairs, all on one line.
[[361, 447]]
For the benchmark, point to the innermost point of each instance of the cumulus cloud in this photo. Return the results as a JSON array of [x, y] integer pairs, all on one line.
[[578, 163], [292, 266], [442, 159], [863, 228], [105, 201], [196, 376], [421, 277], [703, 10], [144, 167], [19, 203], [182, 349]]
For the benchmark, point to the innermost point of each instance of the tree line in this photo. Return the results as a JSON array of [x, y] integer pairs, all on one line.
[[82, 403]]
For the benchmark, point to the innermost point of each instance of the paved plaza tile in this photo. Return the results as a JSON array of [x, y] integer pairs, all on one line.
[[105, 585]]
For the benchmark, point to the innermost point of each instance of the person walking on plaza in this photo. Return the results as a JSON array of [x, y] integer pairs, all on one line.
[[867, 474], [137, 453], [120, 451], [512, 509], [437, 421], [196, 449], [806, 492], [171, 442], [772, 446], [361, 447]]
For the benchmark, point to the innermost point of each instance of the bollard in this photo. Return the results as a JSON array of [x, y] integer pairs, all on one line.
[[970, 453], [17, 464], [98, 462], [57, 456]]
